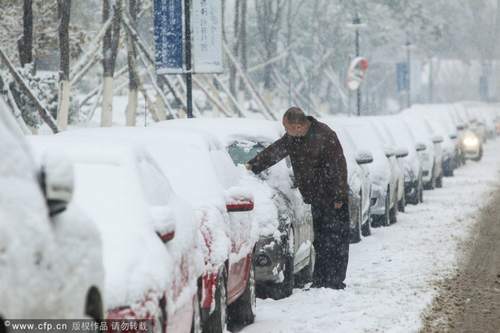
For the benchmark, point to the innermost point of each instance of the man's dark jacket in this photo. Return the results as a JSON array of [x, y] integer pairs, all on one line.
[[318, 163]]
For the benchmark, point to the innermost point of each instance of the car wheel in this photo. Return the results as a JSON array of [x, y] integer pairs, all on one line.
[[217, 321], [420, 192], [285, 288], [306, 274], [3, 328], [383, 220], [242, 311], [439, 181], [93, 305], [393, 214], [196, 323], [402, 203], [356, 233], [432, 183]]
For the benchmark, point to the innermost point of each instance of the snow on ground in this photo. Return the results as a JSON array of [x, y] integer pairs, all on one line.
[[391, 273]]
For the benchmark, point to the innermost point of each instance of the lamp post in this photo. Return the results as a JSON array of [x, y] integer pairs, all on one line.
[[357, 26], [408, 47]]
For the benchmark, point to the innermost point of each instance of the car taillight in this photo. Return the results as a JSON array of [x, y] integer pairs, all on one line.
[[243, 206]]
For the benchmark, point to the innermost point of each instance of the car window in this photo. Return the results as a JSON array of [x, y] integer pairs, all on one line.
[[226, 172], [155, 185], [243, 151]]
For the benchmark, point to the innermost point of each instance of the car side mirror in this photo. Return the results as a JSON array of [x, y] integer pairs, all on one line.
[[420, 147], [389, 152], [163, 222], [437, 139], [57, 183], [401, 152], [453, 136], [364, 157]]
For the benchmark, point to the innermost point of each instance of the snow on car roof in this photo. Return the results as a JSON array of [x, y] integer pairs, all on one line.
[[229, 129], [108, 190]]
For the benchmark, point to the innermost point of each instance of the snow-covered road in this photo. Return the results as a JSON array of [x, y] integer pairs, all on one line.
[[391, 274]]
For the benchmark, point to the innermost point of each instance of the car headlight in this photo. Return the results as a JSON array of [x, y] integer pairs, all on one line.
[[471, 141]]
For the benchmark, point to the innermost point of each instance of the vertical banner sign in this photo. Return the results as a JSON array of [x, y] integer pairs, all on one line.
[[206, 24], [168, 36]]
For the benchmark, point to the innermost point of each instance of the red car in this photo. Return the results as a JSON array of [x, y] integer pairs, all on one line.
[[202, 173]]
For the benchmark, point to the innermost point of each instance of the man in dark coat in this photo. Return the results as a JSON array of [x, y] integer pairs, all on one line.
[[320, 171]]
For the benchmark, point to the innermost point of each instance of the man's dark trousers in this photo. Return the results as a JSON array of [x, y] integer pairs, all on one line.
[[331, 242]]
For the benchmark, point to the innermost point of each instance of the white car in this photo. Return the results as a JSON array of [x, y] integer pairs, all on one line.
[[413, 164], [399, 152], [151, 245], [432, 157], [201, 172], [360, 186], [435, 117], [383, 174], [50, 253]]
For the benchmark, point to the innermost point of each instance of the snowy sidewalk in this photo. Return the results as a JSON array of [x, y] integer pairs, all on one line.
[[391, 273]]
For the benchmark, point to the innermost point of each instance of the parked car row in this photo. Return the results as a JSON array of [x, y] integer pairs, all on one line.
[[165, 223]]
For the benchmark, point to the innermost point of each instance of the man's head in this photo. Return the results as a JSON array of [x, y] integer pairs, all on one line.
[[295, 122]]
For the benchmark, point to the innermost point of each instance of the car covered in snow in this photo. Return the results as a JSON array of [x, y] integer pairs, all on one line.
[[432, 157], [384, 172], [398, 131], [50, 253], [201, 172], [435, 115], [358, 178], [151, 249], [284, 253]]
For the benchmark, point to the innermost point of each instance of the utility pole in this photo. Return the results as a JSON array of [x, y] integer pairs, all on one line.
[[357, 23], [408, 62], [189, 74]]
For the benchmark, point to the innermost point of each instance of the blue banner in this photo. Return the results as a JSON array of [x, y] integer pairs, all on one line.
[[403, 76], [168, 36]]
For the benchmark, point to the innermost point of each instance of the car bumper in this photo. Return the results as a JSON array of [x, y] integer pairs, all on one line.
[[268, 260]]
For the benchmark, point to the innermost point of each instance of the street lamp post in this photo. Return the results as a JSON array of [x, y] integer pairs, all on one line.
[[357, 23], [357, 26], [408, 47]]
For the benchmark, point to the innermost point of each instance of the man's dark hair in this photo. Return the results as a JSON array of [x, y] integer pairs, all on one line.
[[295, 115]]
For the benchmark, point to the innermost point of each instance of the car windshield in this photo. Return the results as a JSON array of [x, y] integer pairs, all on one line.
[[243, 151]]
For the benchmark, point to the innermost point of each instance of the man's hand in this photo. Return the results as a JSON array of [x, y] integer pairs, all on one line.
[[248, 166], [338, 205]]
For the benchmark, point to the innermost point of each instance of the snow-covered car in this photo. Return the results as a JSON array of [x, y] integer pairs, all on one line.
[[398, 152], [432, 157], [201, 172], [436, 118], [471, 145], [285, 251], [50, 253], [151, 250], [383, 176], [359, 182], [413, 170]]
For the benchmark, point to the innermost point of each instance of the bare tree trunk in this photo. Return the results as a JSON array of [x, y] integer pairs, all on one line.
[[132, 64], [25, 43], [110, 50], [236, 26], [243, 38], [64, 11]]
